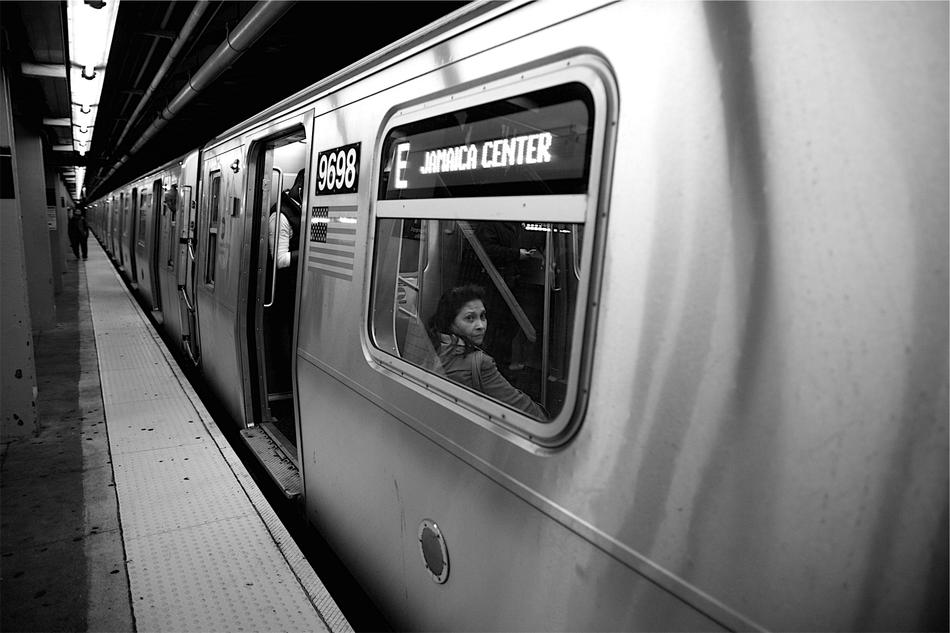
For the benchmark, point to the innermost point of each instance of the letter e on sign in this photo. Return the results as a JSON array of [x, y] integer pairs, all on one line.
[[402, 161]]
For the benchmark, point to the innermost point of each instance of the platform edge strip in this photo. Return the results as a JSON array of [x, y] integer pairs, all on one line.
[[327, 609]]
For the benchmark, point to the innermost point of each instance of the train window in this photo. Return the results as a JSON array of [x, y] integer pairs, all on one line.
[[482, 256], [143, 202], [170, 207], [214, 194]]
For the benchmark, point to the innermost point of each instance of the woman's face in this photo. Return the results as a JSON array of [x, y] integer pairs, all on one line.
[[471, 321]]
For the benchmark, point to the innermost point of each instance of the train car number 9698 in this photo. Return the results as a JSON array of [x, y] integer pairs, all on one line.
[[338, 170]]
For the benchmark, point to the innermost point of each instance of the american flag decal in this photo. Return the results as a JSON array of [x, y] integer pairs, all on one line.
[[332, 246]]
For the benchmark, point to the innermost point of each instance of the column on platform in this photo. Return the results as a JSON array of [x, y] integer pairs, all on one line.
[[31, 181], [17, 363]]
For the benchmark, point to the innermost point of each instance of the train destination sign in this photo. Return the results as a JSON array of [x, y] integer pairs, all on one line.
[[532, 144], [528, 149]]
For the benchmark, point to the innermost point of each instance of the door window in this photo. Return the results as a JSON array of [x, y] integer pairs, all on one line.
[[213, 213]]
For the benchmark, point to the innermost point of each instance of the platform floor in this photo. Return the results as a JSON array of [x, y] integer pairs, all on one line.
[[128, 510]]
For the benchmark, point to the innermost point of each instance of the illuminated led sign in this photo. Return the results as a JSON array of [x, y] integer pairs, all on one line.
[[520, 150], [532, 144]]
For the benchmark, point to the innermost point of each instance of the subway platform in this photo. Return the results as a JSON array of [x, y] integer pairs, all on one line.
[[127, 510]]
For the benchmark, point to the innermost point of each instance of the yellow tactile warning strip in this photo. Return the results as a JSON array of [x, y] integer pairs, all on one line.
[[205, 551]]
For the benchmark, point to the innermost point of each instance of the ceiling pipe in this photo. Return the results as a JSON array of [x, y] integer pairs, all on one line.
[[261, 17], [200, 7]]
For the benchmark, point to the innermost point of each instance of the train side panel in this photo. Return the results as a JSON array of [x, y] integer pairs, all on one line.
[[108, 239], [759, 378], [118, 213], [147, 236], [127, 232], [771, 435], [168, 250], [759, 441], [219, 245], [492, 523]]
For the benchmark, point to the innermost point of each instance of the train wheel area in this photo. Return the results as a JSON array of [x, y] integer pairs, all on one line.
[[127, 509]]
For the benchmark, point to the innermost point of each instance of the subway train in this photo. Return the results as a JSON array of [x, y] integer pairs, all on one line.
[[711, 246]]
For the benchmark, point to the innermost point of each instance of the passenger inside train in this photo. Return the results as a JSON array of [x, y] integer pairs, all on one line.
[[280, 316], [457, 331], [510, 271], [423, 259]]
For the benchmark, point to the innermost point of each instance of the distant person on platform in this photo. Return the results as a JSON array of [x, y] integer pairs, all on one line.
[[78, 233]]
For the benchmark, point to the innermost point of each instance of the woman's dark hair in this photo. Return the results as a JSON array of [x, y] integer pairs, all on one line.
[[296, 190], [448, 308]]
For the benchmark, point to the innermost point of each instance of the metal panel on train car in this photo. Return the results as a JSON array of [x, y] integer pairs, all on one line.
[[405, 482], [746, 380], [186, 266], [165, 257], [219, 240], [148, 233], [722, 329]]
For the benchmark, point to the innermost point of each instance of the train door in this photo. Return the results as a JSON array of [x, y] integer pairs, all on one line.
[[187, 271], [279, 193], [107, 225], [129, 246], [119, 236], [114, 205], [117, 202], [154, 249]]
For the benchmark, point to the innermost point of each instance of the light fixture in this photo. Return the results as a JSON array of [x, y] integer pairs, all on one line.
[[91, 25]]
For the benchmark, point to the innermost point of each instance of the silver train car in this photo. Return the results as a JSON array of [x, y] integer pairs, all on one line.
[[734, 314]]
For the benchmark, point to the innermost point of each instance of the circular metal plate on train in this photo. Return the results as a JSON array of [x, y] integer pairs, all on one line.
[[435, 556]]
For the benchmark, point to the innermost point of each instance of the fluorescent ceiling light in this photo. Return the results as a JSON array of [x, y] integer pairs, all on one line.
[[90, 38]]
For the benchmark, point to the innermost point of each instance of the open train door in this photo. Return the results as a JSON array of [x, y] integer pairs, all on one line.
[[278, 165]]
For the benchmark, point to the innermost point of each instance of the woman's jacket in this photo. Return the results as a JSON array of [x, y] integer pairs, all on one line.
[[460, 363]]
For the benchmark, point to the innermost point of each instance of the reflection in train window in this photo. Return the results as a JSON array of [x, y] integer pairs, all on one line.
[[480, 273]]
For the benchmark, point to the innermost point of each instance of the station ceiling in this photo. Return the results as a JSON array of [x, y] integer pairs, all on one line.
[[310, 41]]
